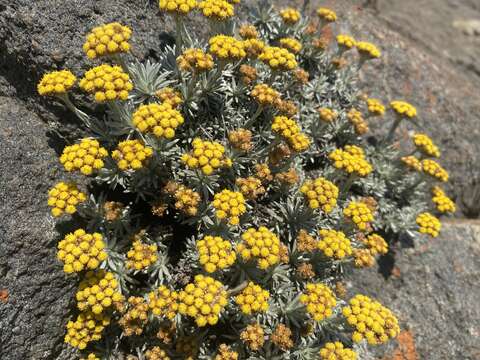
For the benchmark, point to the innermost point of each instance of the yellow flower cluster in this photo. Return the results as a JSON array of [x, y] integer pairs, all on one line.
[[376, 244], [327, 14], [368, 49], [319, 301], [429, 224], [227, 48], [56, 83], [206, 155], [249, 74], [91, 356], [250, 187], [334, 244], [306, 242], [412, 162], [131, 154], [291, 44], [278, 58], [141, 255], [107, 82], [404, 108], [64, 197], [253, 336], [170, 96], [375, 107], [87, 327], [265, 95], [253, 299], [85, 156], [195, 60], [371, 319], [226, 353], [299, 142], [287, 178], [434, 169], [163, 302], [159, 119], [229, 205], [241, 139], [253, 47], [134, 320], [179, 7], [320, 193], [355, 117], [108, 39], [285, 126], [346, 41], [363, 258], [327, 115], [290, 15], [352, 159], [186, 200], [79, 251], [426, 145], [282, 337], [263, 172], [337, 351], [156, 353], [98, 291], [359, 213], [203, 300], [287, 108], [260, 244], [215, 253], [443, 203], [248, 31], [217, 9]]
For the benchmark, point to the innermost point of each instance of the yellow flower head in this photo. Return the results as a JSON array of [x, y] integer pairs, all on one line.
[[207, 156], [56, 83], [346, 41], [163, 302], [327, 14], [225, 352], [156, 353], [178, 7], [253, 299], [320, 193], [86, 156], [253, 47], [428, 224], [375, 107], [249, 74], [327, 115], [287, 108], [229, 205], [291, 44], [376, 244], [278, 58], [368, 49], [87, 327], [141, 256], [170, 96], [227, 48], [248, 31], [64, 198], [371, 320], [98, 291], [334, 244], [282, 337], [337, 351], [355, 117], [403, 108], [434, 169], [265, 95], [290, 15], [306, 242], [363, 258], [285, 126], [91, 356], [359, 213], [107, 39], [195, 60], [215, 253], [319, 301], [426, 145], [159, 119], [216, 9], [186, 200], [134, 320], [443, 203], [107, 82], [351, 159], [250, 187], [203, 300], [132, 155], [253, 336], [241, 139], [80, 251], [412, 162], [260, 244]]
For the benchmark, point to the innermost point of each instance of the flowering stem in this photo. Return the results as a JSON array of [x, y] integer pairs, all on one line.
[[178, 35], [348, 184], [238, 288], [254, 117], [120, 61], [71, 106], [388, 139]]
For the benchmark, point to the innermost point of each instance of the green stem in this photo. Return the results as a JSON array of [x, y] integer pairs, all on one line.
[[254, 117], [71, 106], [347, 185], [178, 35], [238, 288], [388, 139]]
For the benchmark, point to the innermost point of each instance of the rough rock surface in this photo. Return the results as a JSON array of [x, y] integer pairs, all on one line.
[[435, 298]]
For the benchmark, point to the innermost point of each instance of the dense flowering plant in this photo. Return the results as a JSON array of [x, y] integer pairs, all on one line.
[[230, 186]]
